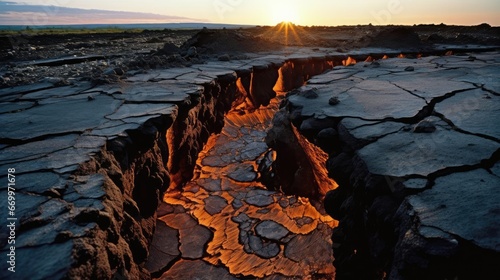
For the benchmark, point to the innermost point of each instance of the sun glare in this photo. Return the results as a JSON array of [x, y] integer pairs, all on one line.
[[285, 13]]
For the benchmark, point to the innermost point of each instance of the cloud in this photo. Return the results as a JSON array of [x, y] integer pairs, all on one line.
[[12, 13]]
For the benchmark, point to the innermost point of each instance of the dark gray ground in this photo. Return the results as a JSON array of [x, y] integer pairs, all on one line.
[[100, 57]]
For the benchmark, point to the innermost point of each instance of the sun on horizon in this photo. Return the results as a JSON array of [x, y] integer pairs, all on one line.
[[285, 14]]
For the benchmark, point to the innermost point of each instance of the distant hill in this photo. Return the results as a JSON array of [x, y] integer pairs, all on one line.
[[193, 25]]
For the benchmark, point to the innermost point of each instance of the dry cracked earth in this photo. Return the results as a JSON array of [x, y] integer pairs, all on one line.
[[413, 143]]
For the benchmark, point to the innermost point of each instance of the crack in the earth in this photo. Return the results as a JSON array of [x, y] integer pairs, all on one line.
[[483, 87], [458, 129], [17, 142], [455, 169], [159, 273], [409, 91], [35, 103], [33, 157], [29, 91], [439, 229]]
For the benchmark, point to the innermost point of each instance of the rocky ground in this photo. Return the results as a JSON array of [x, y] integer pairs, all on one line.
[[107, 134], [90, 180], [28, 58], [417, 158]]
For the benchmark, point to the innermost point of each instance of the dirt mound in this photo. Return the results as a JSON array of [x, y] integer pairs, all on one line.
[[218, 41], [397, 37]]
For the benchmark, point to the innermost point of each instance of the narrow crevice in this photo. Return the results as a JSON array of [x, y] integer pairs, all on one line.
[[458, 129], [454, 169], [30, 158], [28, 91], [439, 99], [35, 103], [159, 273], [36, 100], [489, 90], [490, 162], [410, 92], [17, 142]]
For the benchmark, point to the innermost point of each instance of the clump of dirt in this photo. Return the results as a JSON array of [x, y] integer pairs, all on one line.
[[169, 48], [225, 40], [397, 37]]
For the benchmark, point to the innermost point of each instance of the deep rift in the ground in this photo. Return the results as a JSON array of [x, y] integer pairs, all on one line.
[[93, 160], [226, 224]]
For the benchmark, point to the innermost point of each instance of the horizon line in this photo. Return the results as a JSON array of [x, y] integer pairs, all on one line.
[[240, 24]]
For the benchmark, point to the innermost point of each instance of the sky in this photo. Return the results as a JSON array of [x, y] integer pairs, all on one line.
[[253, 12]]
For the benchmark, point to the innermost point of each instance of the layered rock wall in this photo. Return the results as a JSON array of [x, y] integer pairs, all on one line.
[[135, 176]]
